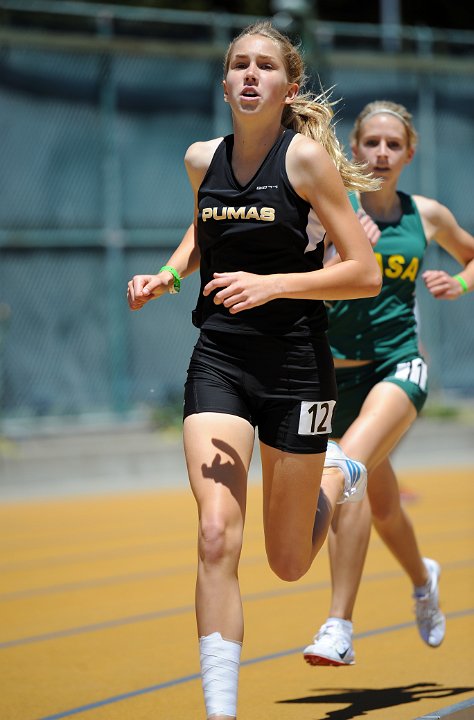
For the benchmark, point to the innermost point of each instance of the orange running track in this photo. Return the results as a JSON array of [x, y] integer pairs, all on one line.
[[97, 619]]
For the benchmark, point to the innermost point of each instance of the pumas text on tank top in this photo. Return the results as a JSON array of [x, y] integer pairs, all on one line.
[[262, 227]]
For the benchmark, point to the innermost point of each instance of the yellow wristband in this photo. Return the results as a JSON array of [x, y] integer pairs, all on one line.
[[462, 283], [176, 279]]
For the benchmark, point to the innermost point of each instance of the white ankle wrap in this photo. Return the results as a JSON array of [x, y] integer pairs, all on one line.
[[220, 661]]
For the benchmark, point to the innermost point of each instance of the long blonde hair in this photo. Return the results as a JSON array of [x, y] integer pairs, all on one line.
[[309, 114], [386, 106]]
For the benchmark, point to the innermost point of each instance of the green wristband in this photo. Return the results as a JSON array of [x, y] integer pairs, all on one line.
[[462, 283], [177, 280]]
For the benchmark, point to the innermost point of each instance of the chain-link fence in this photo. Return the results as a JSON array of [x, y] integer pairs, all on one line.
[[93, 190]]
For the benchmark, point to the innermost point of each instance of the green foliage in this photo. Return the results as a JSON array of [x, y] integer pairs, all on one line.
[[438, 410], [168, 415]]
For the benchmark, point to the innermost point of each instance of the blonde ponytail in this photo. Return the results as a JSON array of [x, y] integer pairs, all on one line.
[[313, 116]]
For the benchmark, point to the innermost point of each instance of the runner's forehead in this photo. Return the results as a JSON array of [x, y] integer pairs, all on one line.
[[255, 45], [383, 123]]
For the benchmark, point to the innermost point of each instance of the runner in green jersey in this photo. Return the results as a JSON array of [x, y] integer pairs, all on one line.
[[381, 376]]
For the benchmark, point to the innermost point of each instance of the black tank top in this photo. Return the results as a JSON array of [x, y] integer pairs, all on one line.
[[263, 227]]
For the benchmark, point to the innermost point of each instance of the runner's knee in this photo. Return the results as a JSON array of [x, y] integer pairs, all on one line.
[[286, 566], [218, 541]]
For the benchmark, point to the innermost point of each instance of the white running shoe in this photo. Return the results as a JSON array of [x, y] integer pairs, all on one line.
[[332, 645], [355, 473], [429, 618]]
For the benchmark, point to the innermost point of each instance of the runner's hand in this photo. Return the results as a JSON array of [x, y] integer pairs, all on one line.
[[240, 290], [370, 227], [142, 288], [441, 285]]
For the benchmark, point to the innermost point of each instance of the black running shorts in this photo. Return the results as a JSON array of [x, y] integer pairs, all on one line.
[[284, 387]]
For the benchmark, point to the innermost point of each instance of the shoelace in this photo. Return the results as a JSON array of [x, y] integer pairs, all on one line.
[[334, 631], [426, 608]]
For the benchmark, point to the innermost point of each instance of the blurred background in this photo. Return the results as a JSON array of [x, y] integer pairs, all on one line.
[[98, 103]]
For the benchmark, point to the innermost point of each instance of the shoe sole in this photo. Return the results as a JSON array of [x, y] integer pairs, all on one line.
[[358, 495], [320, 660], [355, 468]]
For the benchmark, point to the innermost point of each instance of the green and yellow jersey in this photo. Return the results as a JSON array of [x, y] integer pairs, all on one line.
[[384, 326]]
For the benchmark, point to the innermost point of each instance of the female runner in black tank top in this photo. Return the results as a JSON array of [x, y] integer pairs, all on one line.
[[262, 358]]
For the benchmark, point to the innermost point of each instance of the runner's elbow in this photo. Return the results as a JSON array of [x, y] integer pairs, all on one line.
[[373, 282]]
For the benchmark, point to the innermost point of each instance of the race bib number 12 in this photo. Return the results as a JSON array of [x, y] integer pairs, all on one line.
[[316, 417]]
